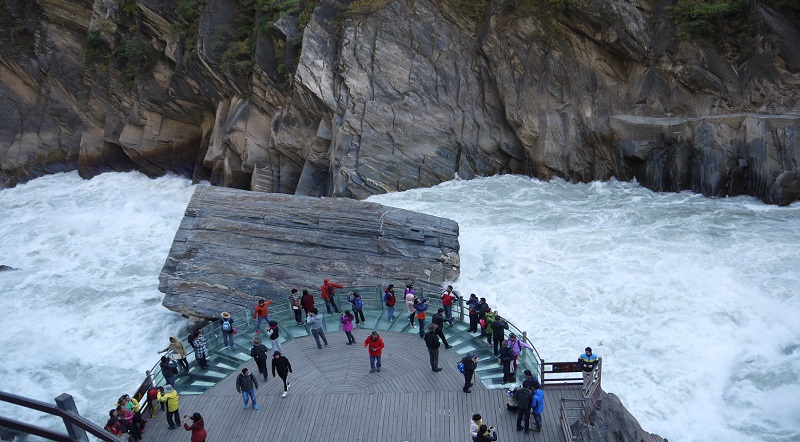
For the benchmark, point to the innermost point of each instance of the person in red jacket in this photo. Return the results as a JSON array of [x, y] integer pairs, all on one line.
[[197, 428], [375, 345], [261, 313], [307, 301], [328, 292]]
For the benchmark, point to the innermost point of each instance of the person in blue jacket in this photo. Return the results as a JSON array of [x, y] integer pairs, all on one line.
[[587, 363], [537, 404], [420, 305]]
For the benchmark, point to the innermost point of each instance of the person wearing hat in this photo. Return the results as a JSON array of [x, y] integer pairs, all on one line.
[[375, 345], [587, 363], [197, 428], [281, 365], [170, 398], [228, 330], [247, 384], [259, 353], [432, 342], [261, 313]]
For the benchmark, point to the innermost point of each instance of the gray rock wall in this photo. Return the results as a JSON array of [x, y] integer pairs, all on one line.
[[235, 246], [408, 95]]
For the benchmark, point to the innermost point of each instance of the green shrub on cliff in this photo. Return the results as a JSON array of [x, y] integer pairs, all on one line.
[[710, 18], [96, 52], [134, 58]]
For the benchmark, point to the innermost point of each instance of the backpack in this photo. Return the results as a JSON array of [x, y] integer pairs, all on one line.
[[190, 338], [388, 298], [460, 367], [359, 303], [226, 326], [523, 396]]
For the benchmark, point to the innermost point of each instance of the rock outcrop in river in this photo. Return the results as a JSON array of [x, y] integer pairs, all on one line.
[[234, 247], [371, 96]]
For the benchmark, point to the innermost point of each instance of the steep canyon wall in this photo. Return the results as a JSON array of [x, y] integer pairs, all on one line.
[[393, 95]]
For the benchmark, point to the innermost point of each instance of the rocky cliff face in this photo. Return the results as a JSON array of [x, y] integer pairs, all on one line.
[[393, 95]]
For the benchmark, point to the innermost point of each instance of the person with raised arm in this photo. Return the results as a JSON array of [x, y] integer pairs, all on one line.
[[328, 293]]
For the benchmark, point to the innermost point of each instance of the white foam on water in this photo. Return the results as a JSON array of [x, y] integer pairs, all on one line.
[[692, 302], [83, 313]]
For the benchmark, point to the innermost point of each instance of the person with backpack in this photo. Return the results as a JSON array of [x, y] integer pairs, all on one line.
[[420, 307], [152, 399], [170, 398], [358, 306], [537, 404], [470, 363], [375, 345], [228, 329], [178, 352], [281, 365], [273, 333], [169, 369], [328, 293], [261, 313], [200, 349], [259, 352], [390, 300], [294, 301], [524, 396], [247, 384], [449, 297], [347, 326]]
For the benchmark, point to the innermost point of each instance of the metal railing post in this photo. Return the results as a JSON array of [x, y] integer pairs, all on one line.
[[66, 403]]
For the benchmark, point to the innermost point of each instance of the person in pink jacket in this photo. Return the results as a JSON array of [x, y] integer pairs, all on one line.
[[347, 326]]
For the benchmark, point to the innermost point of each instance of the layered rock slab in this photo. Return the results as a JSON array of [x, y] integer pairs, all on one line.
[[235, 246]]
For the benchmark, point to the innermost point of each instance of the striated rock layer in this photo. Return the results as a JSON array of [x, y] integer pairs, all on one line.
[[393, 95], [234, 247]]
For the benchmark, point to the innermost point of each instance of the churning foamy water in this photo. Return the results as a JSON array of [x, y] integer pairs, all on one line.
[[692, 302]]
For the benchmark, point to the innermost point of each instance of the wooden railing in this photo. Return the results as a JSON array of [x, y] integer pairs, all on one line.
[[76, 425]]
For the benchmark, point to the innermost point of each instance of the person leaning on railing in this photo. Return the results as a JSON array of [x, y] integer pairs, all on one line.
[[178, 352]]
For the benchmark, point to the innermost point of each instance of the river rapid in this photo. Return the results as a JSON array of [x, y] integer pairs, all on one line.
[[692, 302]]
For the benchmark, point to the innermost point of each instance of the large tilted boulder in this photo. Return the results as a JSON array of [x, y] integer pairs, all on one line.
[[612, 422], [235, 246]]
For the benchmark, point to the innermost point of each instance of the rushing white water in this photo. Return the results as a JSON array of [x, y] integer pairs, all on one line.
[[83, 313], [691, 302]]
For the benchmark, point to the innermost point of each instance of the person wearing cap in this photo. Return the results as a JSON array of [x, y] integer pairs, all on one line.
[[281, 365], [247, 384], [259, 353], [375, 345], [439, 319], [273, 334], [449, 296], [228, 329], [587, 362], [432, 342], [197, 428], [315, 322], [261, 313], [470, 364], [328, 293], [170, 398]]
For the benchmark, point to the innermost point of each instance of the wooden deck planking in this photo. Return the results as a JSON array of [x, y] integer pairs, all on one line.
[[334, 397]]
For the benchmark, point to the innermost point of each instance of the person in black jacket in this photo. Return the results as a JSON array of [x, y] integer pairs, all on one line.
[[169, 369], [484, 434], [281, 364], [438, 319], [483, 307], [499, 328], [247, 384], [432, 342], [470, 364], [506, 358], [259, 353]]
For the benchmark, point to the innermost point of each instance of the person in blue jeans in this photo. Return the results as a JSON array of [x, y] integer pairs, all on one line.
[[420, 305], [226, 324], [537, 404], [247, 384], [374, 344], [390, 299]]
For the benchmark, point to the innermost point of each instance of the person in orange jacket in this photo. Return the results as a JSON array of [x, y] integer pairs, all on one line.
[[261, 313], [375, 345], [328, 292]]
